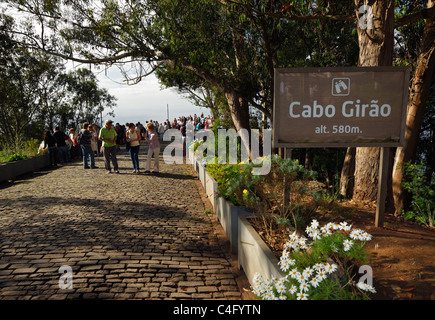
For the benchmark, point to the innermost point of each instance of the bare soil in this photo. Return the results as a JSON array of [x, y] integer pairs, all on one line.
[[402, 255]]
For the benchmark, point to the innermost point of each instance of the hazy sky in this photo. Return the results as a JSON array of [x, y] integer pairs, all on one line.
[[145, 100]]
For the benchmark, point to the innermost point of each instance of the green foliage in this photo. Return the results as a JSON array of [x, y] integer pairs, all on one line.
[[16, 157], [264, 194], [29, 148], [422, 191]]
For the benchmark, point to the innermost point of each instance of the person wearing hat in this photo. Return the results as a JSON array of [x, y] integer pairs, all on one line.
[[108, 137]]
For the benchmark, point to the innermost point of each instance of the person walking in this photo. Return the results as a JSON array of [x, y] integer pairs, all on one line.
[[133, 137], [153, 149], [62, 147], [50, 143], [94, 144], [108, 137], [85, 139]]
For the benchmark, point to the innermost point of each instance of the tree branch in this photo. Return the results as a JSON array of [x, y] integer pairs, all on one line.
[[426, 13]]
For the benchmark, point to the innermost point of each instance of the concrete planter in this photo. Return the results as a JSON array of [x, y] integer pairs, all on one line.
[[201, 172], [211, 189], [228, 216], [11, 170], [42, 161], [253, 253], [5, 172], [191, 157]]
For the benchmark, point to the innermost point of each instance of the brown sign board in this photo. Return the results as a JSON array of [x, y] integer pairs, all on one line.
[[340, 107]]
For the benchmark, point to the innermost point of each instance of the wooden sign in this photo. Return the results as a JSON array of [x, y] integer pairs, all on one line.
[[340, 107]]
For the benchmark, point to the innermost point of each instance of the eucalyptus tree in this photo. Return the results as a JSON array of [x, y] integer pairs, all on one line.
[[36, 92], [23, 75]]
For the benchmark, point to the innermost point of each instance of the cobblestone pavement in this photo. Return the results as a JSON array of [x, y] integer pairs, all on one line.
[[125, 236]]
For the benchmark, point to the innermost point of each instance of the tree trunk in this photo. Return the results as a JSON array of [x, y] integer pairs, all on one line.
[[375, 49], [347, 179], [420, 89], [308, 159], [239, 110]]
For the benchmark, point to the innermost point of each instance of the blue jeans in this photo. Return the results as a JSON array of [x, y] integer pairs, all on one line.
[[88, 153], [62, 150], [52, 155], [134, 155]]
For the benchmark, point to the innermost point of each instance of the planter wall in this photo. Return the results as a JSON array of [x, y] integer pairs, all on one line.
[[211, 189], [14, 169], [201, 172], [228, 216], [253, 253]]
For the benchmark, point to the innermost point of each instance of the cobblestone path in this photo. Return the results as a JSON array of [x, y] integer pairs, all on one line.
[[125, 236]]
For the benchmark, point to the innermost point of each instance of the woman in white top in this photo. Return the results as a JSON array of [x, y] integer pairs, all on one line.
[[94, 144], [154, 148], [133, 136]]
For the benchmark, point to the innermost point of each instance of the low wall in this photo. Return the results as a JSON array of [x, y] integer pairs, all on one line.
[[14, 169], [253, 253]]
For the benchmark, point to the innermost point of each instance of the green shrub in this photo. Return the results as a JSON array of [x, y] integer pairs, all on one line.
[[16, 157], [264, 194], [422, 191]]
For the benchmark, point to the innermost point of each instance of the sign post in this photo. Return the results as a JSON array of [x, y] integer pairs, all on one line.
[[342, 107]]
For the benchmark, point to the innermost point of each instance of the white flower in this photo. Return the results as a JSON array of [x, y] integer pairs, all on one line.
[[315, 282], [355, 233], [315, 235], [269, 296], [302, 296], [344, 226], [302, 242], [268, 286], [309, 230], [314, 224], [280, 286], [293, 244], [326, 230], [347, 244], [330, 268], [301, 277], [307, 272], [294, 273], [285, 263], [318, 266], [365, 287], [304, 287], [321, 275], [293, 236], [364, 236], [293, 289]]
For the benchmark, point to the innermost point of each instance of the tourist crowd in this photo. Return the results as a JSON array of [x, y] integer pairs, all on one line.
[[91, 141]]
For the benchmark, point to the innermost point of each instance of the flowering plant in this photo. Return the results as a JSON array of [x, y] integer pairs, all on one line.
[[321, 269]]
